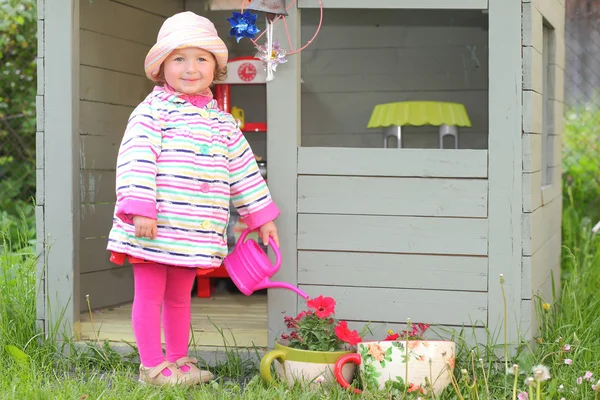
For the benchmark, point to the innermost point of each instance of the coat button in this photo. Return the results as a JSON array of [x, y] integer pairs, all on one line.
[[204, 149], [205, 187], [206, 224]]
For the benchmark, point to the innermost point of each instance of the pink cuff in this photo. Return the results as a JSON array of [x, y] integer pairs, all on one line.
[[130, 208], [261, 217]]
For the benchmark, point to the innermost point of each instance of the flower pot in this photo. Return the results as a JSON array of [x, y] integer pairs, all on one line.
[[314, 367], [382, 361]]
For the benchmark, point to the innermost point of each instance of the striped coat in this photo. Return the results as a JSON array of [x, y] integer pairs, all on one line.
[[181, 165]]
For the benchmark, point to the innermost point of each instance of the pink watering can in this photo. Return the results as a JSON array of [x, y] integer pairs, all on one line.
[[250, 269]]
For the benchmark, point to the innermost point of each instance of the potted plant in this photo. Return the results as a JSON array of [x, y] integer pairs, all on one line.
[[315, 342], [405, 360]]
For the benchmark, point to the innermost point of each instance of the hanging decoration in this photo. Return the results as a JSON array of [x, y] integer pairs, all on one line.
[[243, 25], [270, 53], [271, 58]]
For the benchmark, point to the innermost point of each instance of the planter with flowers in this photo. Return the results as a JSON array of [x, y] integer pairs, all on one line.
[[404, 360], [310, 350]]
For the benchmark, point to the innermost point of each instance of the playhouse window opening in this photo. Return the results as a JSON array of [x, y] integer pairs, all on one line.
[[363, 58], [548, 101]]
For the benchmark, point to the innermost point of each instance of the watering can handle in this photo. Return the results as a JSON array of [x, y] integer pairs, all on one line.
[[271, 242], [242, 238], [277, 255]]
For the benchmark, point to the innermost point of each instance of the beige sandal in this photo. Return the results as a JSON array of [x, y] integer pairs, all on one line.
[[153, 376], [194, 373]]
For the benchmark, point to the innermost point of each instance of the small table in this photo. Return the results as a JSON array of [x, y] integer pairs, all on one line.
[[393, 116]]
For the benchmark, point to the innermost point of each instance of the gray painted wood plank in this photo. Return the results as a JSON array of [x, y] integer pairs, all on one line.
[[113, 87], [445, 58], [505, 164], [532, 152], [396, 305], [393, 196], [432, 82], [106, 288], [97, 186], [471, 337], [532, 191], [165, 8], [40, 113], [532, 26], [532, 65], [392, 270], [40, 9], [39, 150], [540, 225], [61, 155], [99, 152], [40, 195], [528, 321], [551, 192], [120, 21], [440, 59], [328, 112], [283, 115], [430, 163], [41, 39], [532, 115], [402, 4], [102, 51], [421, 235], [376, 28], [536, 267], [412, 140], [553, 12], [100, 119], [96, 257], [40, 76], [96, 220]]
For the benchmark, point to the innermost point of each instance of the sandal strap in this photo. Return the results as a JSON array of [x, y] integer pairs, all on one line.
[[153, 373], [185, 360]]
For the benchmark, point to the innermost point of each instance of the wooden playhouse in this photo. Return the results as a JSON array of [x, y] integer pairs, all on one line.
[[408, 231]]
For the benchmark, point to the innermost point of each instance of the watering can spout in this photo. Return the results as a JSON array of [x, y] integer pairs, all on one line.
[[267, 284]]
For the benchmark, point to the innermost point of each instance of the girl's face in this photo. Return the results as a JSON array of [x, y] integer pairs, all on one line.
[[190, 70]]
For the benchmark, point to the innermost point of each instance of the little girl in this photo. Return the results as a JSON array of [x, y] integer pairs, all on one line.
[[180, 163]]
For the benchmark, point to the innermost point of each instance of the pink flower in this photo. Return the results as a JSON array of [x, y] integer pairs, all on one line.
[[579, 380], [522, 396], [567, 347], [588, 376], [568, 361]]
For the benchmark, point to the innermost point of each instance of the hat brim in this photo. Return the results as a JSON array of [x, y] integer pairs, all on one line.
[[161, 50]]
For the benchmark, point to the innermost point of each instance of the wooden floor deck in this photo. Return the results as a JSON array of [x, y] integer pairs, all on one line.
[[227, 318]]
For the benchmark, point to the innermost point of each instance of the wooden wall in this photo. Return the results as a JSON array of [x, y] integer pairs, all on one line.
[[543, 96], [370, 56], [395, 234], [114, 39]]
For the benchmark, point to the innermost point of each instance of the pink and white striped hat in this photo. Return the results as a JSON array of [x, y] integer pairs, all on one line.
[[182, 30]]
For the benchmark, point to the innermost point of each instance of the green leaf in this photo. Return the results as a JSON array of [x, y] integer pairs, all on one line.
[[18, 355]]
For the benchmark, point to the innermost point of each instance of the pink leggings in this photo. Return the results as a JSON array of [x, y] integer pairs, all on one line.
[[159, 285]]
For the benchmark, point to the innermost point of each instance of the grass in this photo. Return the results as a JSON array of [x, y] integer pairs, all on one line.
[[34, 367], [38, 368]]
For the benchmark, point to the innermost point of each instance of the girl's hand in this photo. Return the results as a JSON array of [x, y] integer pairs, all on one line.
[[145, 227], [269, 230]]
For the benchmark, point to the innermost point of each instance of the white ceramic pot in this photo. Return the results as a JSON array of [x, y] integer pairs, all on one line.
[[383, 361]]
